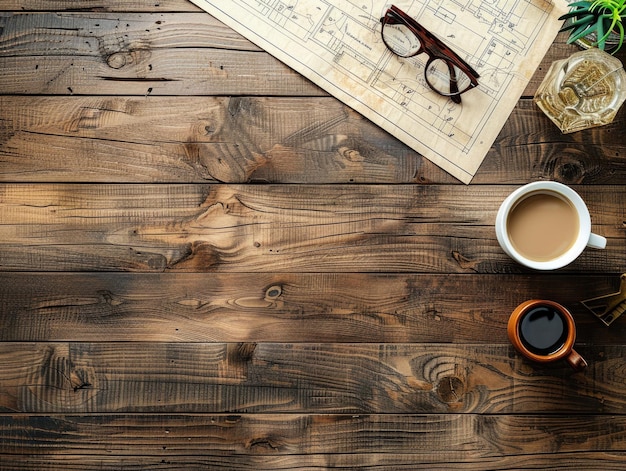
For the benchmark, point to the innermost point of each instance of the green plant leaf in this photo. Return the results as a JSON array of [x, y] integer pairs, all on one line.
[[575, 37], [583, 4], [601, 36], [584, 20], [602, 17], [569, 15]]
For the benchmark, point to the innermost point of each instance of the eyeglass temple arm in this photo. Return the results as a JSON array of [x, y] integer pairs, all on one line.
[[454, 89]]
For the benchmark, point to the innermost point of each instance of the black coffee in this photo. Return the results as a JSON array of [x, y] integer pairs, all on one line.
[[543, 330]]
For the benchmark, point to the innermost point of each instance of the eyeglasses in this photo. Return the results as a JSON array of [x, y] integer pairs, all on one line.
[[445, 72]]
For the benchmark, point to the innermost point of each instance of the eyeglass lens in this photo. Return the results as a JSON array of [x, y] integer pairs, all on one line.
[[442, 76]]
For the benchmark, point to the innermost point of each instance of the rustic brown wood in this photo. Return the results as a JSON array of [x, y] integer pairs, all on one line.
[[279, 441], [286, 307], [105, 55], [164, 6], [272, 228], [369, 461], [278, 140], [302, 377], [146, 72], [103, 34], [207, 262], [184, 139]]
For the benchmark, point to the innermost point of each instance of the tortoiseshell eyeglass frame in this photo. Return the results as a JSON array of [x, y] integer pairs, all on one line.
[[435, 49]]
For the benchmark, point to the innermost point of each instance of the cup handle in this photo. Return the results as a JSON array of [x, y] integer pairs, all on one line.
[[576, 361], [596, 241]]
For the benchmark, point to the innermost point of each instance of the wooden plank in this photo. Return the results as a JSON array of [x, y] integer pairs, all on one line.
[[199, 139], [277, 442], [277, 139], [165, 6], [123, 56], [110, 55], [189, 71], [95, 33], [579, 462], [107, 377], [287, 307], [274, 228]]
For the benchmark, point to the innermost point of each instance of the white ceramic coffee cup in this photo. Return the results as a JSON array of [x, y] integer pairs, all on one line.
[[585, 237]]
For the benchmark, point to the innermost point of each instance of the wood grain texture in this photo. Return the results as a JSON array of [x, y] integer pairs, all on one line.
[[273, 140], [103, 34], [153, 72], [274, 228], [100, 56], [207, 262], [183, 139], [190, 378], [287, 307], [126, 6], [305, 442]]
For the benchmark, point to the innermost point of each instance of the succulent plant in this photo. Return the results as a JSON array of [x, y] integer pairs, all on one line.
[[597, 17]]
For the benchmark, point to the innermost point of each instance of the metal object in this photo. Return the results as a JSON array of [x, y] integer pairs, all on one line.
[[610, 307]]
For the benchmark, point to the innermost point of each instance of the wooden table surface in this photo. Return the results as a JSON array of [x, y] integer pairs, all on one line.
[[208, 262]]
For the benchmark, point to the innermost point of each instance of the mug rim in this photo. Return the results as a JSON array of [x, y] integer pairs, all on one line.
[[584, 224], [514, 337]]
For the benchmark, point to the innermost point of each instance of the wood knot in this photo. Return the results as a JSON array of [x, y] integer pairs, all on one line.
[[465, 262], [263, 443], [118, 60], [450, 389], [273, 292], [571, 172], [351, 155]]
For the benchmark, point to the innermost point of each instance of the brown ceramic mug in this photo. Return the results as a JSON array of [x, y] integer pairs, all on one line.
[[544, 331]]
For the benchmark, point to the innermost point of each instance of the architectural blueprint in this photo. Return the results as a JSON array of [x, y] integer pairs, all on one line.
[[338, 46]]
